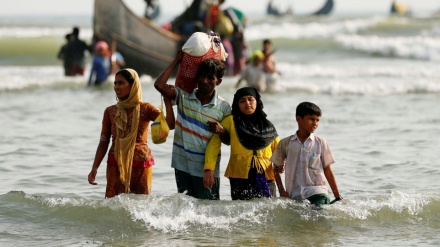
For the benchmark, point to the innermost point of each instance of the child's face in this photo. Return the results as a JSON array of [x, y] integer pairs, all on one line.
[[247, 104], [308, 123]]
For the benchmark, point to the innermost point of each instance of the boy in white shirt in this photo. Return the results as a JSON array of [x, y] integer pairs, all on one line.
[[307, 159]]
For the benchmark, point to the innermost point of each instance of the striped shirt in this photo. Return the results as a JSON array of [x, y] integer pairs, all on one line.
[[192, 134]]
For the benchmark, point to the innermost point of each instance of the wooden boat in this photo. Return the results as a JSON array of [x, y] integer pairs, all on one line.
[[272, 10], [399, 9], [145, 46], [324, 10]]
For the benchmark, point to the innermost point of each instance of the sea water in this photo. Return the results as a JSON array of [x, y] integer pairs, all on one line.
[[376, 79]]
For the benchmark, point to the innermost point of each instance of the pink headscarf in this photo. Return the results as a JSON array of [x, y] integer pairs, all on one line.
[[101, 45]]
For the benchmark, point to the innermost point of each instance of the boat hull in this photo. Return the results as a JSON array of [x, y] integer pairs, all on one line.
[[145, 46]]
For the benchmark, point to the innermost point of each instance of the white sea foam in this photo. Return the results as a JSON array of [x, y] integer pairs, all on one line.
[[34, 32], [292, 30], [22, 77], [414, 47], [354, 79]]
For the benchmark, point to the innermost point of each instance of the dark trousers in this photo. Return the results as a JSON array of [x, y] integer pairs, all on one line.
[[194, 186], [255, 186]]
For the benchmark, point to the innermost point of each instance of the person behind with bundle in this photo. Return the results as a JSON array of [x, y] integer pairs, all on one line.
[[129, 164], [199, 112], [254, 74], [101, 64], [252, 139], [307, 159]]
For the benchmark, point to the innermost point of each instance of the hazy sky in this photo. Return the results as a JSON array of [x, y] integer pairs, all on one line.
[[85, 7]]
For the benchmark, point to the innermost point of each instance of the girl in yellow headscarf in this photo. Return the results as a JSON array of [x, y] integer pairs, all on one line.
[[129, 164]]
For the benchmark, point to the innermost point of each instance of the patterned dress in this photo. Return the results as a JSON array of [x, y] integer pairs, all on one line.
[[141, 177]]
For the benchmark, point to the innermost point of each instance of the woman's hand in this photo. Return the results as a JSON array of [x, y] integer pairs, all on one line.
[[92, 176], [208, 179]]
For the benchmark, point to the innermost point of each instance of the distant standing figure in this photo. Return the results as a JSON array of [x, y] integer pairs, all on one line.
[[75, 53], [129, 163], [62, 54], [269, 66], [254, 74], [101, 65], [307, 159]]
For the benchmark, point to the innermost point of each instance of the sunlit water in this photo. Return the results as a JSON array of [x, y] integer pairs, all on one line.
[[375, 79]]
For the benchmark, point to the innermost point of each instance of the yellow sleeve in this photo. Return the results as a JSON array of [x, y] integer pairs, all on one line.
[[275, 143], [269, 170], [212, 152], [214, 145]]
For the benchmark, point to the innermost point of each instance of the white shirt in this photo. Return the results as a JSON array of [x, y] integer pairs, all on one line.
[[304, 165], [255, 77]]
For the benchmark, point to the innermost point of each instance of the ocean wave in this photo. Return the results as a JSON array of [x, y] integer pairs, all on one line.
[[179, 220], [180, 213], [416, 47], [32, 77], [314, 29], [34, 32], [354, 71], [359, 80]]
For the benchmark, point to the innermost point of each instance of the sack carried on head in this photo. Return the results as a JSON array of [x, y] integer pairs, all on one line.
[[159, 128], [200, 46]]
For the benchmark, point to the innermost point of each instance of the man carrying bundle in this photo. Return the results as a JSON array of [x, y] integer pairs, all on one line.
[[199, 112]]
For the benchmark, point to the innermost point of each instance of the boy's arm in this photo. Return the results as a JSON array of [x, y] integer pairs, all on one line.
[[217, 128], [332, 182], [283, 192], [161, 85], [170, 113]]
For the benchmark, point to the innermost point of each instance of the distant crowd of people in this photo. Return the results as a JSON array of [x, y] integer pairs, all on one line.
[[105, 61], [73, 54], [257, 69]]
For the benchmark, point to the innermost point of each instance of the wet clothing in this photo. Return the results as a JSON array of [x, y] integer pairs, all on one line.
[[101, 68], [74, 56], [140, 182], [252, 139], [241, 158], [142, 159], [304, 165], [192, 133], [191, 185], [319, 199], [254, 77], [191, 137]]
